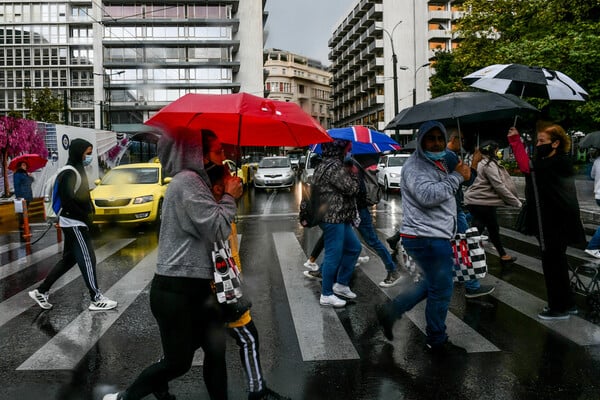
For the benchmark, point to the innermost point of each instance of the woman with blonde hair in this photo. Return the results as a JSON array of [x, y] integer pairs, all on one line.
[[553, 211]]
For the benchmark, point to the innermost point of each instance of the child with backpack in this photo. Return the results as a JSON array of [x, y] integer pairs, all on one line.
[[74, 219]]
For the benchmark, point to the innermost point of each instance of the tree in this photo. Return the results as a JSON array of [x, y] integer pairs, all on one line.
[[18, 136], [559, 34], [45, 107]]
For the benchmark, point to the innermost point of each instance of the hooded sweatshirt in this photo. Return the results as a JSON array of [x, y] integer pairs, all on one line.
[[192, 220], [428, 193], [75, 205]]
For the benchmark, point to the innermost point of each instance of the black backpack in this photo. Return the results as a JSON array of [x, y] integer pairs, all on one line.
[[373, 190]]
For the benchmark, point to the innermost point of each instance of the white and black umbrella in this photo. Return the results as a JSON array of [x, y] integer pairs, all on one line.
[[525, 81]]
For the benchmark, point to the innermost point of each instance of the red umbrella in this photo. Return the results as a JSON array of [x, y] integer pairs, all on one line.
[[34, 162], [242, 119]]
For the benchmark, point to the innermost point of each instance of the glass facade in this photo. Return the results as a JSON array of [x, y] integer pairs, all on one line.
[[117, 63]]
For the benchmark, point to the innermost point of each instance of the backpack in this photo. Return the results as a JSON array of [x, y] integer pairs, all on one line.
[[373, 191], [312, 209], [52, 200]]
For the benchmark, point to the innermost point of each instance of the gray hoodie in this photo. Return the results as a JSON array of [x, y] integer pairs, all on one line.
[[428, 193], [192, 220]]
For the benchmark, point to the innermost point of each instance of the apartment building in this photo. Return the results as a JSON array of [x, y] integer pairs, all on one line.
[[295, 78], [373, 38], [117, 63]]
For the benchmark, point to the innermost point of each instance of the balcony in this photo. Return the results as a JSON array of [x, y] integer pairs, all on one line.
[[440, 15], [439, 34]]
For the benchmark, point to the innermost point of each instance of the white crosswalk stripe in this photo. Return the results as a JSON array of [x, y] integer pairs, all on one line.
[[319, 331]]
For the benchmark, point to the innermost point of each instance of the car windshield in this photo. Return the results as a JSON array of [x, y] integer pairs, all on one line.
[[396, 161], [314, 160], [274, 163], [128, 176]]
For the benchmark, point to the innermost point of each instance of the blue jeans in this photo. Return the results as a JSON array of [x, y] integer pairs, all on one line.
[[461, 227], [594, 243], [434, 258], [342, 249], [367, 231]]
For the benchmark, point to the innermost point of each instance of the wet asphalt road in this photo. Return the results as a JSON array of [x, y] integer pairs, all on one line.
[[307, 352]]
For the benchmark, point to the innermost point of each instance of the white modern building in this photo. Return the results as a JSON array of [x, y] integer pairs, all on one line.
[[301, 80], [365, 45], [117, 63]]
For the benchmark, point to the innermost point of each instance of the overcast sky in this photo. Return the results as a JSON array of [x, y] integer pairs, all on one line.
[[304, 26]]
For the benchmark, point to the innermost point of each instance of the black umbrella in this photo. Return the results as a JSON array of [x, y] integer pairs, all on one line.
[[526, 81], [592, 139], [462, 108]]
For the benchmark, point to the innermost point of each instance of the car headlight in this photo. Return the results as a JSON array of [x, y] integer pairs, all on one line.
[[394, 175], [143, 199], [259, 175]]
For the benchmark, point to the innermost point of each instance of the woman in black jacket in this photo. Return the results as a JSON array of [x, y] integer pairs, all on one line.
[[553, 211]]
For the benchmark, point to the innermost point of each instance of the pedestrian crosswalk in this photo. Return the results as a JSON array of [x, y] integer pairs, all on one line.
[[320, 332]]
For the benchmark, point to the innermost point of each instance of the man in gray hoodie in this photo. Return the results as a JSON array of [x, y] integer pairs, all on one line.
[[429, 222]]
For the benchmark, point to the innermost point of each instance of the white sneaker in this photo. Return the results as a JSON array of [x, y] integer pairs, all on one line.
[[362, 260], [332, 300], [41, 299], [311, 265], [102, 303], [593, 253], [111, 396], [343, 290]]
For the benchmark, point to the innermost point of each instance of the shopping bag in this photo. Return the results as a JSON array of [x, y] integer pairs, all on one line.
[[226, 273], [469, 256]]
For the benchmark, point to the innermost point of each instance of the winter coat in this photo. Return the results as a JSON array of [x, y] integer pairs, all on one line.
[[557, 195], [428, 193], [22, 184], [492, 187], [338, 187], [191, 220]]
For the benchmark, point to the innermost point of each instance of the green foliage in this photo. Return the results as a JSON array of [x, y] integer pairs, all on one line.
[[559, 34], [44, 106]]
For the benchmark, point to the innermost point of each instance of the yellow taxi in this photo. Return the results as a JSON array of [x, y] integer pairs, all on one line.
[[130, 194]]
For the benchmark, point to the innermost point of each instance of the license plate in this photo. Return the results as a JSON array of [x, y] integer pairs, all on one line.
[[111, 212]]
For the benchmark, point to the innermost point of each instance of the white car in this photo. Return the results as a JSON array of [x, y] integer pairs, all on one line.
[[274, 173], [389, 169], [308, 169]]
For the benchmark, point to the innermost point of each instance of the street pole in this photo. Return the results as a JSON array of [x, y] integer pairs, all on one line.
[[414, 91], [395, 75]]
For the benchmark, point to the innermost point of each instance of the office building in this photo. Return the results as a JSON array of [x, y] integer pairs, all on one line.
[[118, 63], [295, 78], [363, 48]]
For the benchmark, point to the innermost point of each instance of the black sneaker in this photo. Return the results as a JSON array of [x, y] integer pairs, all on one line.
[[164, 396], [549, 315], [446, 349], [392, 279], [386, 321], [481, 291], [266, 394], [573, 310]]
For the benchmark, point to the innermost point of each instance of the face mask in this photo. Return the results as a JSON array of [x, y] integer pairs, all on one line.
[[435, 155], [87, 160], [543, 150]]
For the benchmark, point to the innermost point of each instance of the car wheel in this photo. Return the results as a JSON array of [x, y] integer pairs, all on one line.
[[385, 184], [159, 212]]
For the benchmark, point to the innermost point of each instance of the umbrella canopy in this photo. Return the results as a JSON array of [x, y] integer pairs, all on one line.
[[460, 108], [592, 139], [242, 119], [525, 81], [34, 162], [364, 140]]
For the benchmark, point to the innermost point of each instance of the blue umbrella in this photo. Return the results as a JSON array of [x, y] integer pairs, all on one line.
[[364, 140]]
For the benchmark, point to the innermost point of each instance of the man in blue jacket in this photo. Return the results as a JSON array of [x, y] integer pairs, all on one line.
[[429, 222]]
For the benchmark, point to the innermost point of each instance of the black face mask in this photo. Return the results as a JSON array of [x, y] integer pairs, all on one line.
[[543, 150]]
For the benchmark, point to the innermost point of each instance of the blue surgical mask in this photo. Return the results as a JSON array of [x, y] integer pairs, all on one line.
[[435, 155], [87, 160]]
